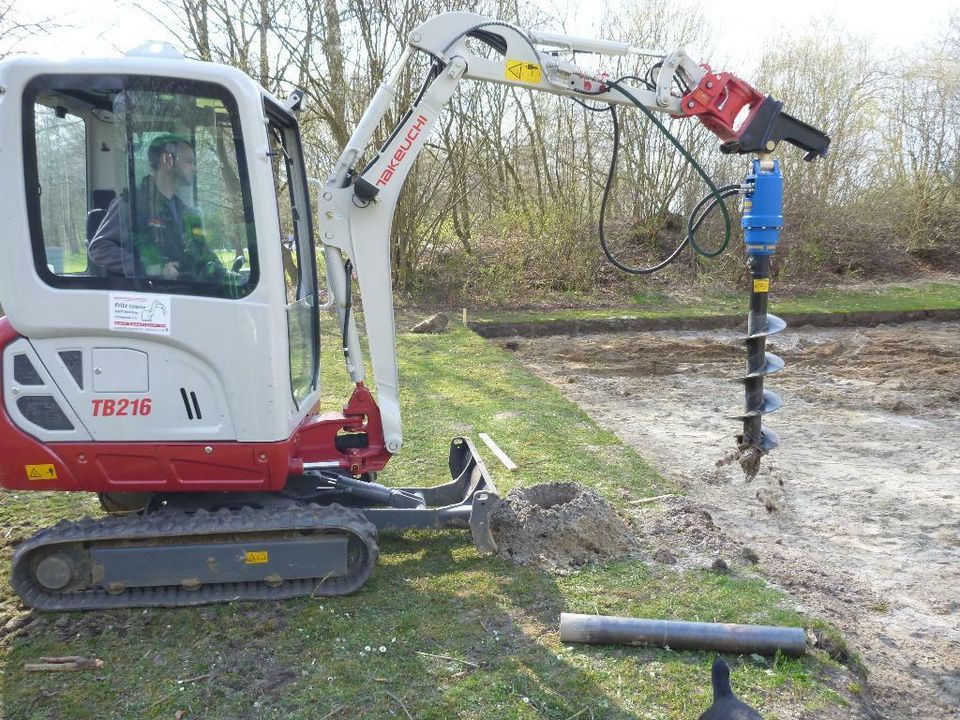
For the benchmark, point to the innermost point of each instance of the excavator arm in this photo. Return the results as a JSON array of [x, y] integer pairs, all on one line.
[[357, 204]]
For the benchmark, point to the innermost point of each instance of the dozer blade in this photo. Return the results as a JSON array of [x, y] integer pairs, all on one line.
[[465, 502]]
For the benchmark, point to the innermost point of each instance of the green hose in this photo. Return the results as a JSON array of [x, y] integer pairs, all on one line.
[[714, 191]]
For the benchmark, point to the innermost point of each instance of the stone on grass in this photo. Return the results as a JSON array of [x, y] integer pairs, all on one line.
[[432, 325]]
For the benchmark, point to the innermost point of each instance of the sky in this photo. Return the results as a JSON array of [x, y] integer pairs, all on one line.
[[106, 27], [740, 23]]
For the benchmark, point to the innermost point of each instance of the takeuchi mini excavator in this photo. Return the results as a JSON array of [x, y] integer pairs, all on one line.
[[161, 339]]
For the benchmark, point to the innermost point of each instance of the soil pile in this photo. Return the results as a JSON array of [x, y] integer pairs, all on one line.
[[560, 526], [684, 534]]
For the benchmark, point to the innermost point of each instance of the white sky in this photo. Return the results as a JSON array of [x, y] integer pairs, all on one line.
[[99, 27], [741, 28]]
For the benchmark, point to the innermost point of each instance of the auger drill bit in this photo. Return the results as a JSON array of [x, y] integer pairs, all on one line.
[[762, 221]]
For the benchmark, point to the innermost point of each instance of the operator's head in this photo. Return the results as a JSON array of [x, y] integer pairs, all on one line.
[[172, 156]]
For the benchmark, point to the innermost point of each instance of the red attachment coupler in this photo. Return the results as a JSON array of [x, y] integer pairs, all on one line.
[[718, 99]]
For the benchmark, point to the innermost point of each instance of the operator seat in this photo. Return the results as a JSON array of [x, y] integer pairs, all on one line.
[[101, 201]]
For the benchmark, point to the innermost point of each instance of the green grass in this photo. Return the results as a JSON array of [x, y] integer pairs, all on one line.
[[463, 635], [900, 298]]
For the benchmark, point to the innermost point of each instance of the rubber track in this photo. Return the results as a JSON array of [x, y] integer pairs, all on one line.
[[166, 524]]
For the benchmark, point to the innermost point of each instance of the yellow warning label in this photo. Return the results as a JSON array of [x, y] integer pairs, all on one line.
[[41, 472], [522, 71], [761, 285], [257, 558]]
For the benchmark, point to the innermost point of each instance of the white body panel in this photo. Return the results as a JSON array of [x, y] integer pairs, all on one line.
[[242, 342], [46, 385], [115, 377]]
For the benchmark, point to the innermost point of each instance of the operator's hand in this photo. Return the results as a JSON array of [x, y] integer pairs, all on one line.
[[170, 271]]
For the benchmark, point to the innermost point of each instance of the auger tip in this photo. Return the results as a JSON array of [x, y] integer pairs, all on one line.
[[748, 455]]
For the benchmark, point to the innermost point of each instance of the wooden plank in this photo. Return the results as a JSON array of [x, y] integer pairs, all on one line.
[[655, 498], [501, 455]]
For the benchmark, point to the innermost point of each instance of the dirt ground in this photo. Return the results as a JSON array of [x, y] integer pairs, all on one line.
[[857, 514]]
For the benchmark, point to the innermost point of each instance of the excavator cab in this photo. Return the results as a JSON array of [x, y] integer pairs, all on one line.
[[160, 269]]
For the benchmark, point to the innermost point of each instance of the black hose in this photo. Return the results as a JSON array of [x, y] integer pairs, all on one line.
[[435, 68], [348, 303], [691, 230]]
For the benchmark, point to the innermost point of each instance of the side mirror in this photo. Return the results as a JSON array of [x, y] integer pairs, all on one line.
[[237, 264], [294, 101]]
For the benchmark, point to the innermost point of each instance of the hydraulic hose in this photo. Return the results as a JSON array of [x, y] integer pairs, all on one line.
[[714, 191], [348, 303], [696, 217]]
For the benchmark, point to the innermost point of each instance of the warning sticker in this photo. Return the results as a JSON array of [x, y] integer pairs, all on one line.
[[761, 285], [140, 313], [41, 472], [257, 558], [522, 71]]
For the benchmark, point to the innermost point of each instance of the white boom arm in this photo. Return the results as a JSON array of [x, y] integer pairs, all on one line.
[[356, 212]]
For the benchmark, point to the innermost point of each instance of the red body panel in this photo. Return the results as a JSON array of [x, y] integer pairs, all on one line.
[[28, 464]]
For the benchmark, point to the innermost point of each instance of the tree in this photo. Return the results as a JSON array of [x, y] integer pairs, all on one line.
[[920, 141], [15, 27]]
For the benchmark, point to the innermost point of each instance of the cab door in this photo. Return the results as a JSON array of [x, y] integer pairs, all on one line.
[[142, 255], [297, 251]]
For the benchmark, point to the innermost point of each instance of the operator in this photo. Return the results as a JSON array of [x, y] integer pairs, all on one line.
[[167, 238]]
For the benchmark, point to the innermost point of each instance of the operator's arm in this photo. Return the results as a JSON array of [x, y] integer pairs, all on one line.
[[107, 247], [207, 265]]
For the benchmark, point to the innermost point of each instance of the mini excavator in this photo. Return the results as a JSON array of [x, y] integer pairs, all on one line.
[[182, 385]]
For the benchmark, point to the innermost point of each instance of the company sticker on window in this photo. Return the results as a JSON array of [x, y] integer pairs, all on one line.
[[140, 313]]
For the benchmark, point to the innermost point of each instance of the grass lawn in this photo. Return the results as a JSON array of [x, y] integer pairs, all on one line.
[[439, 631]]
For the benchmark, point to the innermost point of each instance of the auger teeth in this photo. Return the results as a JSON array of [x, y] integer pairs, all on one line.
[[771, 403], [774, 325], [771, 364]]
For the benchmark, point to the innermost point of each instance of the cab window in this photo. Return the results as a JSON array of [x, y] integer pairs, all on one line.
[[138, 183], [64, 174]]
